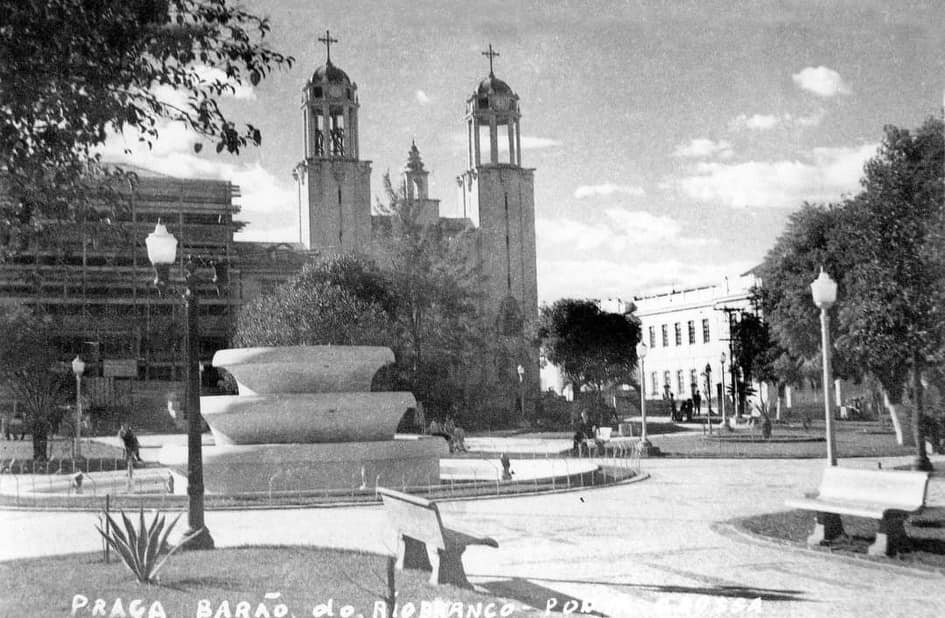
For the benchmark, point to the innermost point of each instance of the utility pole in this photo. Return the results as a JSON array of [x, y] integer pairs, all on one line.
[[729, 312]]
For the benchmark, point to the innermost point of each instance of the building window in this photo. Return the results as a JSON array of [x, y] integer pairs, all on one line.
[[681, 384], [654, 384], [665, 329], [692, 331], [667, 385], [677, 328], [694, 379], [705, 331], [652, 336]]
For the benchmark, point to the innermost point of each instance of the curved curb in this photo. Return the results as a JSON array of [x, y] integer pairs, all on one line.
[[732, 529], [642, 476]]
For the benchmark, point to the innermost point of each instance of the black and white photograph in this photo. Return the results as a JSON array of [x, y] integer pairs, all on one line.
[[442, 309]]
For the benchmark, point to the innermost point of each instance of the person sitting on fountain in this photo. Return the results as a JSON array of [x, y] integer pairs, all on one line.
[[130, 441], [584, 431]]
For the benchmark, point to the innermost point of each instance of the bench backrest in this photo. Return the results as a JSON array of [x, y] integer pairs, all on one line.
[[603, 433], [414, 517], [903, 490]]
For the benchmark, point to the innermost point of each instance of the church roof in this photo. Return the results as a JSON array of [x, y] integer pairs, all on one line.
[[332, 74], [494, 85], [414, 162]]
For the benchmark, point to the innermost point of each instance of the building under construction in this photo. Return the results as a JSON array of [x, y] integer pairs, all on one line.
[[96, 281]]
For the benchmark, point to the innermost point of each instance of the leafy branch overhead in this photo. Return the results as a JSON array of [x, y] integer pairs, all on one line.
[[76, 71]]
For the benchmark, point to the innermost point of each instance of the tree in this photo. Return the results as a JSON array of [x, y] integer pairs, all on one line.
[[434, 279], [592, 347], [32, 372], [885, 248], [335, 301], [74, 71]]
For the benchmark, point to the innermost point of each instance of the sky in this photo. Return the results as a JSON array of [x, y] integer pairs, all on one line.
[[670, 140]]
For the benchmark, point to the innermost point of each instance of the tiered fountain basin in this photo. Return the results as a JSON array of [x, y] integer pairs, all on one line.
[[305, 419]]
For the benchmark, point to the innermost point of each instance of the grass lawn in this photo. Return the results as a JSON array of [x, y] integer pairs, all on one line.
[[926, 531], [854, 439], [303, 577]]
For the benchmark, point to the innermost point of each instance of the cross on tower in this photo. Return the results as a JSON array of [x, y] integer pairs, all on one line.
[[327, 40], [492, 54]]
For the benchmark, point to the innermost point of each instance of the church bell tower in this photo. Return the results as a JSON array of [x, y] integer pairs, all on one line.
[[334, 184], [498, 195]]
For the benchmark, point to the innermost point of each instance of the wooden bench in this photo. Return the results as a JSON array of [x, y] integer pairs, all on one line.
[[888, 496], [423, 542]]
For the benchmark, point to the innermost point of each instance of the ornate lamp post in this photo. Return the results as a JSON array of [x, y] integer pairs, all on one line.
[[708, 396], [645, 444], [824, 291], [162, 251], [78, 368]]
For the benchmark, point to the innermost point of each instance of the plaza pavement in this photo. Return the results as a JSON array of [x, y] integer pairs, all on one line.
[[648, 548]]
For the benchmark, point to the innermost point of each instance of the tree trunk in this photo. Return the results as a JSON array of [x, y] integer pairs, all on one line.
[[921, 461], [40, 441], [901, 421]]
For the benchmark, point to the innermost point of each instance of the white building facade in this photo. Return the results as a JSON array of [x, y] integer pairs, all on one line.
[[687, 331]]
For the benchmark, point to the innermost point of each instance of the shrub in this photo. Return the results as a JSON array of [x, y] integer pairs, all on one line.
[[144, 550]]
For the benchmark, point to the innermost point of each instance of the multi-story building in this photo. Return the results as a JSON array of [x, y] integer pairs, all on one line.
[[687, 331]]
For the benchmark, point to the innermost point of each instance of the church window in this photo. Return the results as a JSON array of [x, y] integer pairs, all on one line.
[[318, 91], [483, 103]]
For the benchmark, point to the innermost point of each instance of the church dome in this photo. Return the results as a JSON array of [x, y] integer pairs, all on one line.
[[332, 74], [494, 85]]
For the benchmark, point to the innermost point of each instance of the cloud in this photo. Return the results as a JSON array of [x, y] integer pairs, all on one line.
[[422, 98], [766, 122], [607, 189], [826, 175], [624, 229], [821, 81], [267, 203], [702, 148], [602, 278]]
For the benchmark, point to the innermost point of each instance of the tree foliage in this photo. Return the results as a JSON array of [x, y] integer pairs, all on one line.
[[31, 371], [336, 301], [74, 71], [592, 347], [885, 247]]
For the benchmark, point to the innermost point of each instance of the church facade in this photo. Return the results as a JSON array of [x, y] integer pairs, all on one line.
[[495, 193]]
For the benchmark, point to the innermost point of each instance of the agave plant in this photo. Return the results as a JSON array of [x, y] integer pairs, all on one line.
[[144, 550]]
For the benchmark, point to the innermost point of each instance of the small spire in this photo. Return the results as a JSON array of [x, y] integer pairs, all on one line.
[[492, 54]]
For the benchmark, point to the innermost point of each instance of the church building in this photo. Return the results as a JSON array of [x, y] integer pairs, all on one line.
[[496, 196]]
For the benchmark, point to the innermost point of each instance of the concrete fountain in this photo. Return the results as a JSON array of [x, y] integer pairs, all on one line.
[[305, 418]]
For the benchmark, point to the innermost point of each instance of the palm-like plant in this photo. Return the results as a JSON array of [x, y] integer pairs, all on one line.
[[144, 550]]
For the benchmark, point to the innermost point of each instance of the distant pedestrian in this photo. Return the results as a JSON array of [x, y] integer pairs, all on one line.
[[697, 402], [130, 442]]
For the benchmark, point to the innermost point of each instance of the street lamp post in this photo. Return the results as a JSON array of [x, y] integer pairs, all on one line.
[[722, 398], [78, 368], [521, 387], [824, 292], [645, 444], [708, 396], [162, 251]]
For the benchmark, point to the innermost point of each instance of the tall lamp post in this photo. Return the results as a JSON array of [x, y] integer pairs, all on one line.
[[162, 252], [521, 390], [645, 444], [722, 398], [78, 368], [824, 291], [708, 396]]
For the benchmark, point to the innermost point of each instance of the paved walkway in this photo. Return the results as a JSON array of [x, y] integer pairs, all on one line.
[[641, 549]]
